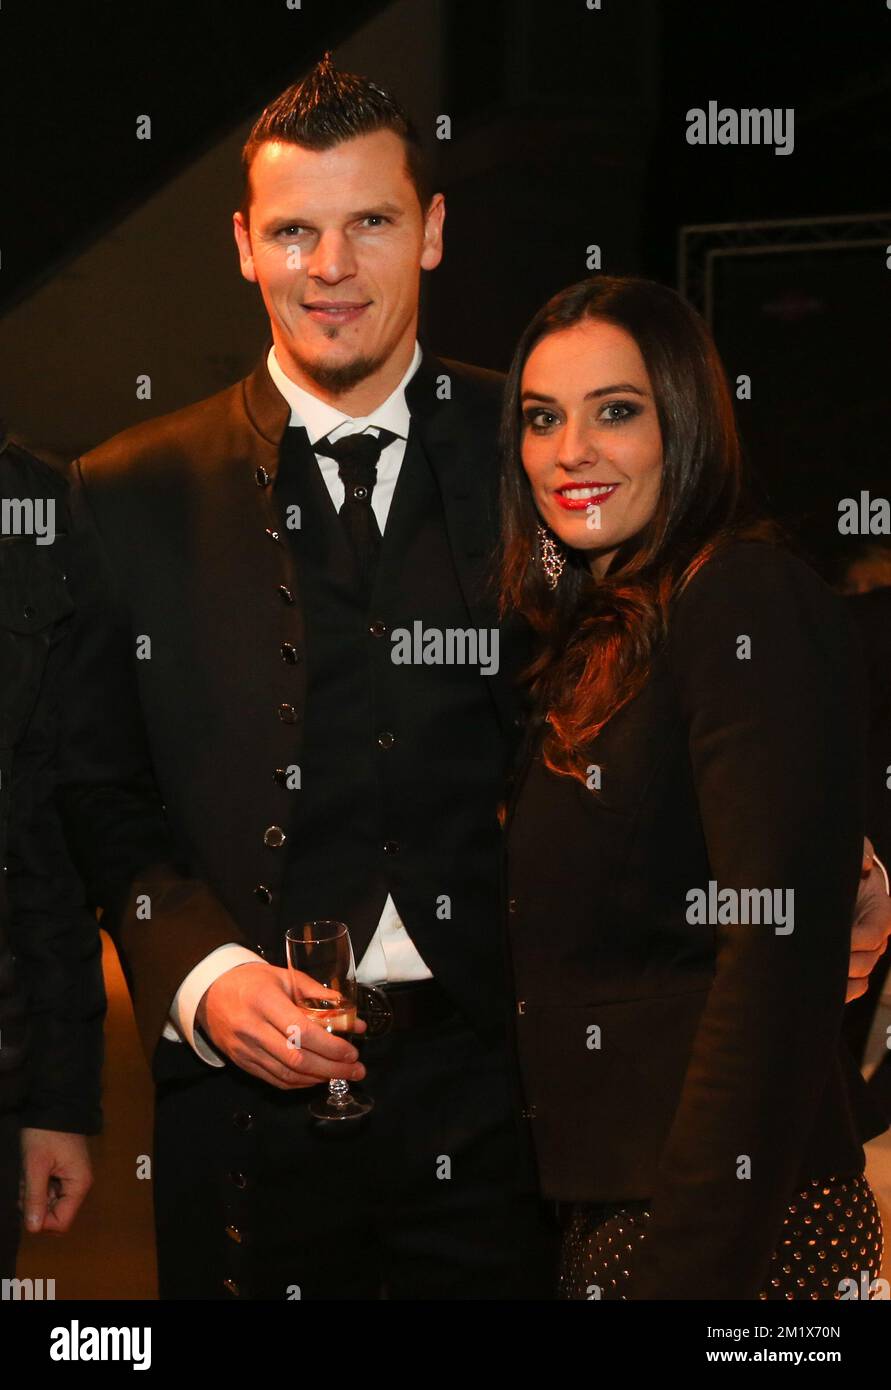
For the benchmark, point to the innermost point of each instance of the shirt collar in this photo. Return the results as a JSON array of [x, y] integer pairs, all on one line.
[[320, 419]]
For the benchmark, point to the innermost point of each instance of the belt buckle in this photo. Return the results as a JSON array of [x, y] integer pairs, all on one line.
[[375, 1009]]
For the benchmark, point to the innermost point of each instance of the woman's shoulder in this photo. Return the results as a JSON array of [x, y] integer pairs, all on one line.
[[760, 591], [757, 635], [753, 574]]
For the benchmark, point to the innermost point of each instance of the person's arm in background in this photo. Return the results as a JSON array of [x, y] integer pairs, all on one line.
[[53, 937], [777, 750], [872, 925]]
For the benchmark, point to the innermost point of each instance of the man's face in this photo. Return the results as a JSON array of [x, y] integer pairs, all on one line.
[[336, 242]]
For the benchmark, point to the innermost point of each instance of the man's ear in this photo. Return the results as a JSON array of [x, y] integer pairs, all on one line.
[[243, 242], [431, 253]]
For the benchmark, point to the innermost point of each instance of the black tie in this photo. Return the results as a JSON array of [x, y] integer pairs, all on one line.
[[357, 456]]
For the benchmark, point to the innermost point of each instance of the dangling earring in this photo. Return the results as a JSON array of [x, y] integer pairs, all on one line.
[[553, 557]]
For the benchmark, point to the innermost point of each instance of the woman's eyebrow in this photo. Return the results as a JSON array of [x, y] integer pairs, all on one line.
[[600, 391]]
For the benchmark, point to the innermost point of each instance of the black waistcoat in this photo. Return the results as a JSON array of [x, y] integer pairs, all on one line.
[[401, 765]]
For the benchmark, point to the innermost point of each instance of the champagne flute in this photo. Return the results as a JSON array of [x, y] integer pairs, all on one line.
[[323, 950]]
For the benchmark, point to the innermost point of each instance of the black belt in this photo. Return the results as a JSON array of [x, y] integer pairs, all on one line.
[[389, 1008]]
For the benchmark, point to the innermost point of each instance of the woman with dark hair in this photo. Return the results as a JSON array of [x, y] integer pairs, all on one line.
[[684, 835]]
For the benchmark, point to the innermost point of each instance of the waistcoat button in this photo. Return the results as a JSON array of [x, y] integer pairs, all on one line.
[[274, 837]]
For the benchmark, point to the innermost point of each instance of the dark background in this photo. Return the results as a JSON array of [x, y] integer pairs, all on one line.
[[568, 129]]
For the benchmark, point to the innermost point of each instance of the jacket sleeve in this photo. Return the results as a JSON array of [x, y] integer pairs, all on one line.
[[772, 693], [55, 939], [162, 918]]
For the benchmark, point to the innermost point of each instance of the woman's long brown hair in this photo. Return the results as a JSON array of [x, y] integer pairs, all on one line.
[[598, 637]]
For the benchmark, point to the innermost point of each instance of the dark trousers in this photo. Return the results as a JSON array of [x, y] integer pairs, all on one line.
[[428, 1197], [10, 1219]]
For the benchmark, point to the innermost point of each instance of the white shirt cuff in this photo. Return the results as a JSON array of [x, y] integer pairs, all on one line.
[[192, 990]]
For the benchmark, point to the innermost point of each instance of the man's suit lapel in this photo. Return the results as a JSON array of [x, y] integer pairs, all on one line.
[[269, 413]]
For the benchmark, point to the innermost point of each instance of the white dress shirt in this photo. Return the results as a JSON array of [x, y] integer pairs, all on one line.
[[391, 953]]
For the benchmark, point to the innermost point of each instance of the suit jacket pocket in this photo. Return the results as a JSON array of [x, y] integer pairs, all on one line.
[[32, 591]]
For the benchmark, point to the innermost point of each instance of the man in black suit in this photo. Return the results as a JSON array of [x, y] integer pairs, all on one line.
[[51, 993], [247, 750]]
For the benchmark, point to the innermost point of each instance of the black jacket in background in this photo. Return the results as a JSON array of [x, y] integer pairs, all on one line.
[[52, 997]]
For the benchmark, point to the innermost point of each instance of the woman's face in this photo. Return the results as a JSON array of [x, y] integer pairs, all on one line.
[[590, 439]]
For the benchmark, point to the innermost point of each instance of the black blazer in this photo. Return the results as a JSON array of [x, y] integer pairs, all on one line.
[[166, 782], [52, 997], [661, 1054]]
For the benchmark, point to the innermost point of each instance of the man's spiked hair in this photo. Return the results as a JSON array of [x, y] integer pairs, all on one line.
[[326, 108]]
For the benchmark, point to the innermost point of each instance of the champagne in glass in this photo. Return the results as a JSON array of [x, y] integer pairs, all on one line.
[[323, 950], [336, 1013]]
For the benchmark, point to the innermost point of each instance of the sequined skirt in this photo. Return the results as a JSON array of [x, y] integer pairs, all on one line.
[[832, 1231]]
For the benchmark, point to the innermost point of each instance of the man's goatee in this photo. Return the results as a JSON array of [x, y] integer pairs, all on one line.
[[341, 376]]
